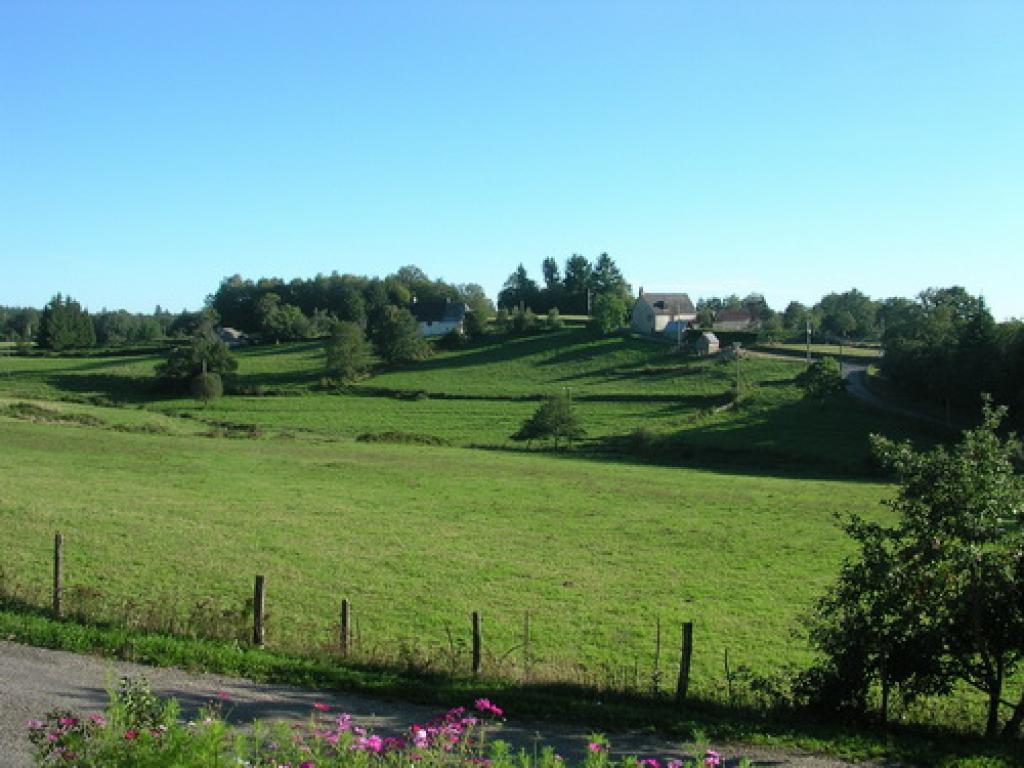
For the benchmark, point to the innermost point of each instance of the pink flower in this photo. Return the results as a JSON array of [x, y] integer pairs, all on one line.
[[68, 721], [321, 707], [308, 764], [485, 705], [99, 720], [35, 724], [594, 746], [130, 735], [674, 763], [712, 758], [223, 695], [650, 762]]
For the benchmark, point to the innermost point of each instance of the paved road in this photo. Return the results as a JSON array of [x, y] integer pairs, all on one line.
[[35, 680], [856, 376]]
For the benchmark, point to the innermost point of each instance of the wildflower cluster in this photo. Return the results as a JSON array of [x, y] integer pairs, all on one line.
[[139, 729]]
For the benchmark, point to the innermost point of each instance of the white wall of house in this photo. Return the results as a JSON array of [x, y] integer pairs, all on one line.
[[440, 327]]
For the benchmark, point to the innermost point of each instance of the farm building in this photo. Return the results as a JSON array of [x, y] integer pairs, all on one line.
[[232, 337], [707, 344], [654, 311], [735, 320], [436, 318]]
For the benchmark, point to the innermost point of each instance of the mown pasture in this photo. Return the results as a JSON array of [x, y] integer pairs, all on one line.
[[598, 544]]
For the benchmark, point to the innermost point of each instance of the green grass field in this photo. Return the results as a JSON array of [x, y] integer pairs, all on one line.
[[727, 519], [417, 538]]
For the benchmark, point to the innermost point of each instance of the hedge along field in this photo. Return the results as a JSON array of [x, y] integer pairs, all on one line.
[[418, 537]]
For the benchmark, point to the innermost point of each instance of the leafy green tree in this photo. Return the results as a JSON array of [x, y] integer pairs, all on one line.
[[398, 338], [608, 279], [205, 354], [576, 284], [608, 314], [65, 325], [348, 351], [207, 387], [281, 322], [822, 379], [553, 420], [795, 317], [518, 290], [938, 598]]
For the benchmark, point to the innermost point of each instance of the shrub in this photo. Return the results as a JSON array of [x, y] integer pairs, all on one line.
[[207, 387], [822, 379], [554, 420], [348, 351]]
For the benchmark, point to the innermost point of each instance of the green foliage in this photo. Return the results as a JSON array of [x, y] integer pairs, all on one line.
[[207, 386], [398, 338], [553, 420], [938, 598], [523, 321], [608, 314], [348, 351], [65, 325], [205, 354], [281, 322], [554, 320], [822, 379]]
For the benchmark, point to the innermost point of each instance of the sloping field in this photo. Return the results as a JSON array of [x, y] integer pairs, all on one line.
[[418, 537]]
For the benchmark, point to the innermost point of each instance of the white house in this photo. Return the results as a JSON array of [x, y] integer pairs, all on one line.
[[654, 311], [436, 318]]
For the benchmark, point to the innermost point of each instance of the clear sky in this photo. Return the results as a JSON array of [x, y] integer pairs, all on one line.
[[793, 148]]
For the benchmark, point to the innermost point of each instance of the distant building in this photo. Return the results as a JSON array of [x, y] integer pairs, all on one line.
[[707, 344], [232, 337], [654, 311], [437, 318], [735, 320]]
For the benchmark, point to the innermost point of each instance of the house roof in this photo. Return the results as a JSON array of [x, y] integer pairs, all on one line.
[[439, 311], [709, 337], [669, 303], [732, 315]]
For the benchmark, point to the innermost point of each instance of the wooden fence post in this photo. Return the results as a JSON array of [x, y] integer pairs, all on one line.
[[526, 646], [683, 683], [58, 576], [476, 643], [258, 611], [344, 628]]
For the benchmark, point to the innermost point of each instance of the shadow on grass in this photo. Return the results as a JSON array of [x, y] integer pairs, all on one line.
[[800, 439]]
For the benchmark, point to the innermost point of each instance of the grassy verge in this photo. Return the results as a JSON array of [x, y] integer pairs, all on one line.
[[566, 704]]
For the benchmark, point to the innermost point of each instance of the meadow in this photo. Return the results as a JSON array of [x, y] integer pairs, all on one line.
[[726, 518]]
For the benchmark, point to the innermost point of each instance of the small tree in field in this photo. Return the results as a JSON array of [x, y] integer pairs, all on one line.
[[398, 338], [821, 380], [938, 598], [608, 314], [348, 352], [207, 387], [554, 420]]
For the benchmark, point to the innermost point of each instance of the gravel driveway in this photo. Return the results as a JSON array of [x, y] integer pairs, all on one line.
[[34, 680]]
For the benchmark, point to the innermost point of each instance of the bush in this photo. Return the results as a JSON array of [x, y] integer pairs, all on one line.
[[553, 420], [207, 387], [347, 350], [822, 379], [554, 320]]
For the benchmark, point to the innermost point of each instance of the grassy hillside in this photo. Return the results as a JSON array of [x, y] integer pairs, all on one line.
[[480, 395], [417, 538]]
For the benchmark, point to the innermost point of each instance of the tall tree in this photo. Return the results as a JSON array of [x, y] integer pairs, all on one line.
[[65, 325], [577, 283], [518, 289]]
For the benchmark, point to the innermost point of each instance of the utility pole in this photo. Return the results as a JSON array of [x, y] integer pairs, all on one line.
[[808, 342]]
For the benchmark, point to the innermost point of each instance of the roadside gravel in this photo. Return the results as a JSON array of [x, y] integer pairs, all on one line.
[[35, 680]]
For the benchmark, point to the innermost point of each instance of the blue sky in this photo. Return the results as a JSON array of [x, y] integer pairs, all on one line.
[[794, 148]]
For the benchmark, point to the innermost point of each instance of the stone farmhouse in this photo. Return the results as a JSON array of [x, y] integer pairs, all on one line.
[[653, 312]]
